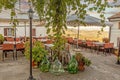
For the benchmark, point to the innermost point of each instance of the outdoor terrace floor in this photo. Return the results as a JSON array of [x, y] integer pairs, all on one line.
[[102, 68]]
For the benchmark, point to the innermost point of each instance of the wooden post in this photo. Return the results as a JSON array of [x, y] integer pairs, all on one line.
[[25, 30], [118, 56], [110, 32]]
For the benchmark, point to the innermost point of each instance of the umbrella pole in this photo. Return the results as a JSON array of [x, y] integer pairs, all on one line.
[[25, 30], [78, 36]]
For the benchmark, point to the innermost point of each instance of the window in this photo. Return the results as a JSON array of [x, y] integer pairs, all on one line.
[[118, 41], [119, 25], [8, 32]]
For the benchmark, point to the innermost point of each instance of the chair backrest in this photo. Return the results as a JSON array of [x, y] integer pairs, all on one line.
[[70, 40], [20, 46], [17, 39], [108, 45], [8, 47], [89, 44], [79, 41], [88, 40], [9, 39], [49, 42]]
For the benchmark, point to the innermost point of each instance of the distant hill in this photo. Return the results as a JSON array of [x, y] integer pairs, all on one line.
[[86, 34]]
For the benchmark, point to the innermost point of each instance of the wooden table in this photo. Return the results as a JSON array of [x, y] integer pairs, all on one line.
[[11, 42], [98, 45], [43, 40], [14, 43]]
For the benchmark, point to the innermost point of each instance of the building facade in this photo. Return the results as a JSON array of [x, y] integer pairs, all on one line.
[[22, 29], [115, 29]]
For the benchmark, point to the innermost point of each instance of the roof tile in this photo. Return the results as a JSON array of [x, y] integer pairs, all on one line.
[[117, 15]]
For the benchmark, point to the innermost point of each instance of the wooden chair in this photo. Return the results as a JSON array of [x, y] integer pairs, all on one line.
[[17, 39], [20, 47], [70, 40], [108, 47], [49, 42], [90, 45], [9, 39], [7, 48]]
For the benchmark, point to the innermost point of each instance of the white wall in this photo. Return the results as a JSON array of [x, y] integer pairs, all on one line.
[[115, 33], [20, 32], [2, 31], [41, 30]]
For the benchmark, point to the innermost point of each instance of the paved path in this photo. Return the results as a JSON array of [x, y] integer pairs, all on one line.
[[102, 68]]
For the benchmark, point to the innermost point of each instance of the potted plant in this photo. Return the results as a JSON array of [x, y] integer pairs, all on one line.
[[82, 61], [106, 40], [86, 61], [38, 52]]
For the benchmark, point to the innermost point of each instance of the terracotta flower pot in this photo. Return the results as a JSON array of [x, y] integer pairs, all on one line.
[[81, 66], [34, 64]]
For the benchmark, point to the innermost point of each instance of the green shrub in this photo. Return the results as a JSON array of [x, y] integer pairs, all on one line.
[[38, 51], [1, 38]]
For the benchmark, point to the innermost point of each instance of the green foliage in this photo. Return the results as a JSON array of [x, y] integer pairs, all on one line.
[[10, 4], [27, 50], [119, 58], [1, 38], [38, 51], [80, 57], [7, 4], [56, 11], [87, 61], [59, 45]]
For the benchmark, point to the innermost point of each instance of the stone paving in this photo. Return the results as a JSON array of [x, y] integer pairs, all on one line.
[[102, 68]]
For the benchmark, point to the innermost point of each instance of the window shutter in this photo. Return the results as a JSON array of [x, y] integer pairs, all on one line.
[[33, 32], [5, 31], [119, 25]]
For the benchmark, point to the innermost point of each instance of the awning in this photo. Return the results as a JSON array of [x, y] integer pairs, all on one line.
[[89, 20]]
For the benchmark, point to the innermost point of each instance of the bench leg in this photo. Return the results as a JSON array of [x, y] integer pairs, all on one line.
[[3, 56], [16, 55], [5, 53], [13, 56]]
